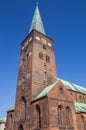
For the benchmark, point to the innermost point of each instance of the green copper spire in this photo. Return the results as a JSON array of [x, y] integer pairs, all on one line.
[[37, 21]]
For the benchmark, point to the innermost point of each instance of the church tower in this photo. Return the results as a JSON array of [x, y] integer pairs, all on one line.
[[44, 102], [37, 70]]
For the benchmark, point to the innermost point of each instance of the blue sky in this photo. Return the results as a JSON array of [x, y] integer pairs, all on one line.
[[64, 21]]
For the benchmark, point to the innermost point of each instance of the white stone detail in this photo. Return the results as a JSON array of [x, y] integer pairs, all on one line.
[[49, 44], [43, 41], [30, 53], [19, 82], [30, 39], [38, 38], [22, 47], [27, 75]]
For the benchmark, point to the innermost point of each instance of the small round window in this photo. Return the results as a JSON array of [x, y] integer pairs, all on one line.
[[61, 89]]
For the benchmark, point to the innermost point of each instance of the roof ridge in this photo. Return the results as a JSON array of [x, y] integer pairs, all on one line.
[[72, 83], [73, 86], [45, 91], [80, 107], [11, 108]]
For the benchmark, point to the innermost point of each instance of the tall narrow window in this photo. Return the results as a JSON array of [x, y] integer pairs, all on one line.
[[20, 127], [23, 108], [47, 58], [44, 46], [23, 60], [38, 116], [83, 119], [60, 115], [80, 98], [27, 56], [83, 122], [40, 55], [68, 116]]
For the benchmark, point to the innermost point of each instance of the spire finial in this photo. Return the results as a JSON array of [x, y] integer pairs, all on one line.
[[37, 3]]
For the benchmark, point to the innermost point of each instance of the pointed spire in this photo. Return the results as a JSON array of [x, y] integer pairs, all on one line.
[[37, 21]]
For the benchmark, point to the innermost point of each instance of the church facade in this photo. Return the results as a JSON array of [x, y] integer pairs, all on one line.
[[43, 101]]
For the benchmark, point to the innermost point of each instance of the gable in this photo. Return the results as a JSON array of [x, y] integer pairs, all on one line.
[[60, 92], [66, 84], [45, 91]]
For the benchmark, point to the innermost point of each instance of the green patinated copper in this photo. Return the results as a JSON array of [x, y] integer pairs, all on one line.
[[3, 120], [80, 107], [11, 108], [37, 23], [68, 85], [45, 91], [73, 87]]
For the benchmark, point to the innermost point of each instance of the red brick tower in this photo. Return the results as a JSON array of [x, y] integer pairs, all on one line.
[[37, 70]]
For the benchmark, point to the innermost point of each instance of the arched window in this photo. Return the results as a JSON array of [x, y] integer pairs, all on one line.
[[44, 46], [41, 55], [61, 89], [38, 116], [68, 116], [83, 122], [47, 58], [20, 127], [83, 119], [60, 115], [23, 108], [80, 98]]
